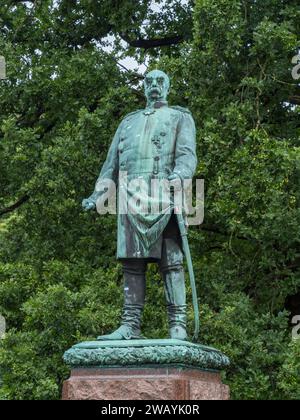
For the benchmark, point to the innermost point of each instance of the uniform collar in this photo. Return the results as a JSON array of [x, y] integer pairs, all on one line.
[[157, 105], [160, 104]]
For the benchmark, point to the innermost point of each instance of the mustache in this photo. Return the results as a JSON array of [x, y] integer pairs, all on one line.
[[156, 89]]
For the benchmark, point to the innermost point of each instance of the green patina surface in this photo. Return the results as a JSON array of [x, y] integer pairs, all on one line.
[[158, 142], [145, 353], [152, 148]]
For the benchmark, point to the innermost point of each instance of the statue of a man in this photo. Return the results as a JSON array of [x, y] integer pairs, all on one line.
[[157, 142]]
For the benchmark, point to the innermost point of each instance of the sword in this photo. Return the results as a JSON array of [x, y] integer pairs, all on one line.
[[187, 253]]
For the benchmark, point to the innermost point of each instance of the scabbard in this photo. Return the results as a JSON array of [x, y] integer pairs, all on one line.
[[187, 253]]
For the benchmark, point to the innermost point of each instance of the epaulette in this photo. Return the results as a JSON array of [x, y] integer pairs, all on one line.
[[133, 113], [180, 108]]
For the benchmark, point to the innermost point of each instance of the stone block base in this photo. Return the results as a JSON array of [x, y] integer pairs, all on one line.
[[153, 383]]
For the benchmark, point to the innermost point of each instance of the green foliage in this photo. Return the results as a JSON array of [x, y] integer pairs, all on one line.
[[59, 108], [289, 373]]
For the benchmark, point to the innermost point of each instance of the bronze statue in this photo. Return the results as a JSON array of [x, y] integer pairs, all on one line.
[[157, 142]]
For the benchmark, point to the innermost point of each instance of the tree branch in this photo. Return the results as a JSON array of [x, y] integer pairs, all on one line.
[[22, 1], [15, 206], [295, 100], [153, 43]]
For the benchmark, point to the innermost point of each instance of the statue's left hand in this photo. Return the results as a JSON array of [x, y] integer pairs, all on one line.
[[176, 182], [172, 177]]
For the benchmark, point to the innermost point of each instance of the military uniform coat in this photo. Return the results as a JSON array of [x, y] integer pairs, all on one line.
[[149, 144]]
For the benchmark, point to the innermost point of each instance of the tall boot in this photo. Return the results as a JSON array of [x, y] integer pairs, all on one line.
[[134, 299], [175, 291]]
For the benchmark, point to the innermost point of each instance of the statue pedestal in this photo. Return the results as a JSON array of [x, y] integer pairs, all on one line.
[[145, 370], [144, 384]]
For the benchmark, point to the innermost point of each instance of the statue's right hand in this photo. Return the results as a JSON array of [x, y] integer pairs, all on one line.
[[88, 204]]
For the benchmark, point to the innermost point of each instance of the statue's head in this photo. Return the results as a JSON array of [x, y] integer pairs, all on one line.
[[157, 85]]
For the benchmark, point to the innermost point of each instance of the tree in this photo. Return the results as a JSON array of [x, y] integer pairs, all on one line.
[[230, 62]]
